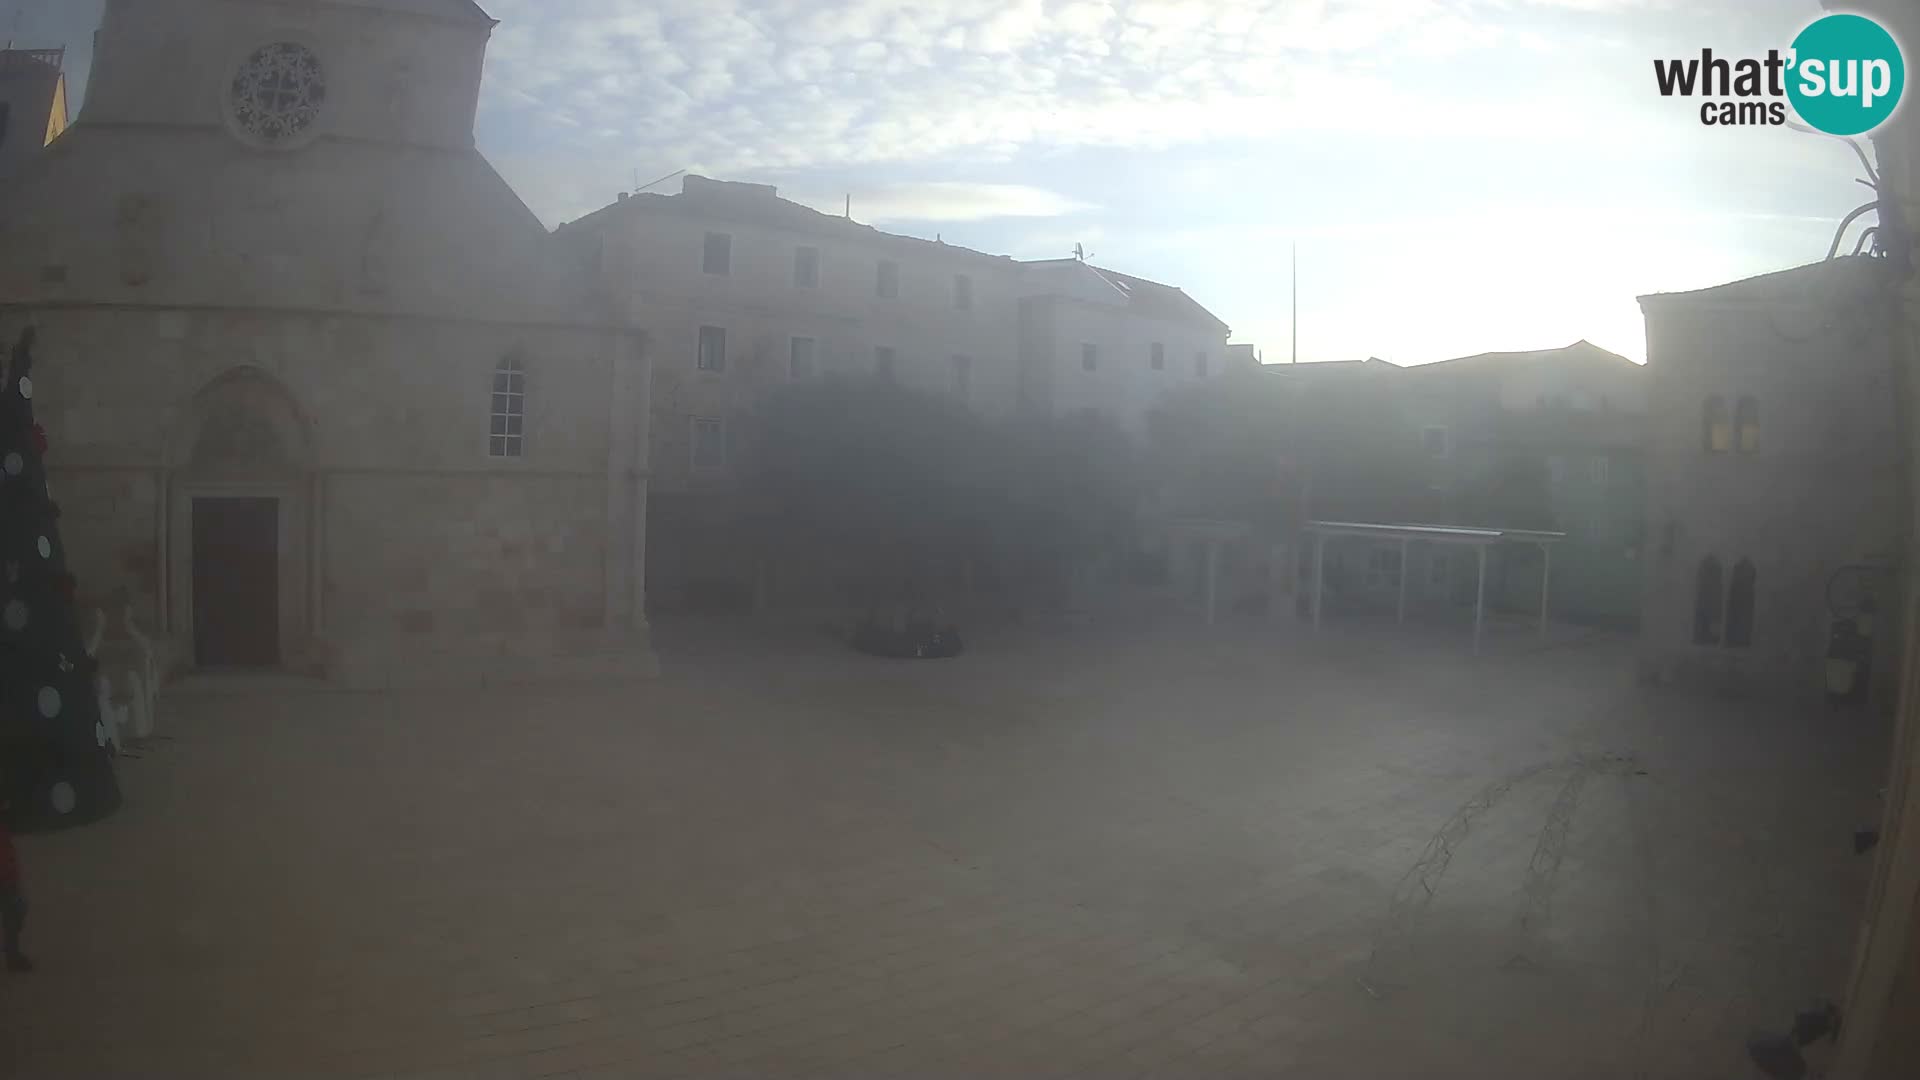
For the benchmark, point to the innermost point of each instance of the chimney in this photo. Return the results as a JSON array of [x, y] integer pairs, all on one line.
[[623, 197]]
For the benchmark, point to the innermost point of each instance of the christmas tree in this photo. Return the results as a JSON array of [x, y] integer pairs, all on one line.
[[55, 767]]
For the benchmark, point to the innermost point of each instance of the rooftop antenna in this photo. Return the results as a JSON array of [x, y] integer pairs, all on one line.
[[1296, 302], [1080, 252], [849, 211], [642, 187]]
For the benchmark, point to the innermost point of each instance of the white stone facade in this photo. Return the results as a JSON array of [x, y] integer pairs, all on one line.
[[1146, 340], [315, 312]]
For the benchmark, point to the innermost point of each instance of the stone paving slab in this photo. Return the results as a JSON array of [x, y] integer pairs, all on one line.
[[1164, 852]]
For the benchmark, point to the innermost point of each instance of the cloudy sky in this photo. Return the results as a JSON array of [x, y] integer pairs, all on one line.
[[1458, 175]]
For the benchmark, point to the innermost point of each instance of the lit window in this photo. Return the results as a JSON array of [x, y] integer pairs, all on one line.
[[800, 358], [1157, 356], [1089, 357], [883, 361], [713, 348], [709, 442], [1707, 600], [963, 292], [1746, 425], [507, 428], [806, 267], [962, 374], [719, 254], [1740, 605], [886, 282], [1718, 431]]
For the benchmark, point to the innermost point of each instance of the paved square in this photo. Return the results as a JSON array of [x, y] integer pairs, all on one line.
[[1166, 852]]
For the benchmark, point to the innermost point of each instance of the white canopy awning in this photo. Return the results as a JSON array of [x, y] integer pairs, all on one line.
[[1405, 535]]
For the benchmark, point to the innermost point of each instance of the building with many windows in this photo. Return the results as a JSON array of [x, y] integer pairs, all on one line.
[[1773, 487], [744, 292], [1097, 340]]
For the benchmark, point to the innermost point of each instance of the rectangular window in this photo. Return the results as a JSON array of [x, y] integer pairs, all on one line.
[[1200, 364], [963, 292], [709, 442], [1597, 469], [1438, 566], [506, 430], [713, 349], [800, 358], [806, 267], [1157, 356], [886, 283], [962, 374], [883, 357], [1089, 357], [1557, 470], [719, 255], [1435, 441]]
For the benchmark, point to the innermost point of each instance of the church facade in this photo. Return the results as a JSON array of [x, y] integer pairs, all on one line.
[[323, 395]]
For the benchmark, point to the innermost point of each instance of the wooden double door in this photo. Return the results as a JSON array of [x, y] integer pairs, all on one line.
[[236, 582]]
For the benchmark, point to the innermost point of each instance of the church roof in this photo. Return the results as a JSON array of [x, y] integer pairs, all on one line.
[[1809, 283], [1149, 299], [458, 10], [1580, 352]]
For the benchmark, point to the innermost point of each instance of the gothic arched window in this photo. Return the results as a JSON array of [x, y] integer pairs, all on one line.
[[1746, 425], [1718, 431]]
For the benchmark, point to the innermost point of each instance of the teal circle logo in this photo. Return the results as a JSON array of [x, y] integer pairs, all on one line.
[[1847, 75]]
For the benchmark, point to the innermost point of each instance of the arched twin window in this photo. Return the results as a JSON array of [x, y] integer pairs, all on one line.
[[1724, 432], [1723, 611]]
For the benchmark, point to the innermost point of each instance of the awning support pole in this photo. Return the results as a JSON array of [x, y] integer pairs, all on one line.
[[1213, 574], [1403, 579], [1319, 574], [1480, 600], [1546, 580]]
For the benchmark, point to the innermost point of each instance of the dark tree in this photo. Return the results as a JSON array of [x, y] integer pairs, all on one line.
[[1276, 449], [894, 483], [917, 496], [1513, 493], [55, 764], [1070, 491]]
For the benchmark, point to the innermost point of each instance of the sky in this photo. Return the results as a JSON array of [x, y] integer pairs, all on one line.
[[1458, 176]]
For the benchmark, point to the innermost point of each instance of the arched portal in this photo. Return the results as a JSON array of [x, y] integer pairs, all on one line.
[[240, 504]]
